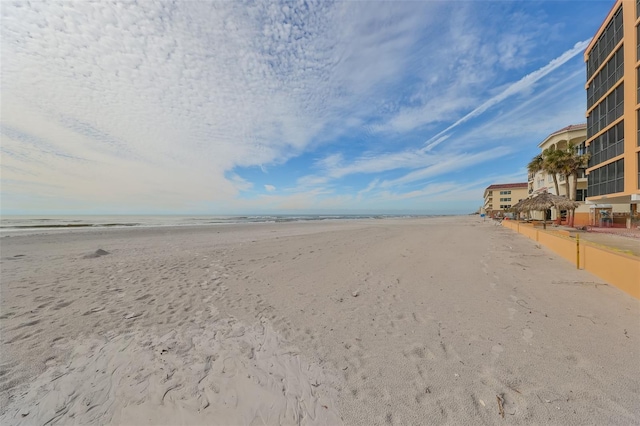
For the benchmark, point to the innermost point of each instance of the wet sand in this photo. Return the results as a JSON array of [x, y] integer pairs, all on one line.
[[394, 321]]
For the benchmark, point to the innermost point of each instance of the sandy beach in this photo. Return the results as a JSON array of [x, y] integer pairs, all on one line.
[[391, 321]]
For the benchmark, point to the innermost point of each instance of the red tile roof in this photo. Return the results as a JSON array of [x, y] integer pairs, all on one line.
[[569, 128], [508, 185]]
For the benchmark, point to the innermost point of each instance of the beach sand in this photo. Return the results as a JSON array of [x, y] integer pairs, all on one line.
[[392, 321]]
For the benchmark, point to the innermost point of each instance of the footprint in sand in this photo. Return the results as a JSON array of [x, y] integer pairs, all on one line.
[[485, 267]]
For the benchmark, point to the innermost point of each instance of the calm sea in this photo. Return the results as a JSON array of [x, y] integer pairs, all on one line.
[[18, 223]]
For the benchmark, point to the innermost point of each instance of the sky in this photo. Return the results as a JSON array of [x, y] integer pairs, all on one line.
[[212, 107]]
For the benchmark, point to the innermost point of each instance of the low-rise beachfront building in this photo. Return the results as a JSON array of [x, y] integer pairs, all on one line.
[[541, 181], [499, 197], [613, 111]]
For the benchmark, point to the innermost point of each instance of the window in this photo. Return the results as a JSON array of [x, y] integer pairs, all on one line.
[[505, 192], [605, 43], [608, 145], [638, 43], [607, 179], [505, 206], [582, 149], [607, 111], [606, 78], [581, 194], [638, 83], [505, 199]]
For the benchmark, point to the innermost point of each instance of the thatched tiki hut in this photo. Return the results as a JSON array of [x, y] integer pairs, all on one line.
[[543, 201]]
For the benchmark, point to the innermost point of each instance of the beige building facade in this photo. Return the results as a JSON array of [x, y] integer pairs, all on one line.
[[499, 198], [575, 134]]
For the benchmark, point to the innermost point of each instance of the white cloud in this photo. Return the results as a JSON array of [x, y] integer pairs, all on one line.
[[519, 86], [448, 164], [172, 97], [370, 187], [157, 105]]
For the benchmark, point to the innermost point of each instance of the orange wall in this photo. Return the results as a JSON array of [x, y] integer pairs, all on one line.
[[530, 232], [619, 270], [581, 219], [564, 246]]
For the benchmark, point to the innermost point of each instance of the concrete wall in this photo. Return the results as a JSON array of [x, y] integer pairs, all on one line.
[[618, 269]]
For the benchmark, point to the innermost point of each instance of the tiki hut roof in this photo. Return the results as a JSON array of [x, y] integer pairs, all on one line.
[[544, 201]]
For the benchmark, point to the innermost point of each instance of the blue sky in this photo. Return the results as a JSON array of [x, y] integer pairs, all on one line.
[[255, 107]]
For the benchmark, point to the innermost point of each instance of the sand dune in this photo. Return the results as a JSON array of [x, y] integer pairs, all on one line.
[[442, 320]]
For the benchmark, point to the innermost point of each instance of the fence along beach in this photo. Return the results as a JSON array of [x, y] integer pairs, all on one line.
[[391, 321]]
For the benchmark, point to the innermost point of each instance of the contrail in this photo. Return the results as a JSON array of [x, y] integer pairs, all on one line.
[[524, 83]]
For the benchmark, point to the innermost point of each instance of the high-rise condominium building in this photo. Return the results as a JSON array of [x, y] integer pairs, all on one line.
[[613, 108]]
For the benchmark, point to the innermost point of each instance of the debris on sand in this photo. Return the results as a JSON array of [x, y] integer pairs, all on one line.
[[97, 253], [500, 405]]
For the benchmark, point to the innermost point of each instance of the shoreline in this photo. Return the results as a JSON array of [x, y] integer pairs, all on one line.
[[396, 321], [20, 224]]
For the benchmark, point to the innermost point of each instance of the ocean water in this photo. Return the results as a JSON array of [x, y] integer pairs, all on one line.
[[18, 223]]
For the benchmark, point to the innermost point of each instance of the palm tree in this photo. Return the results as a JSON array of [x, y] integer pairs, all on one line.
[[536, 164], [574, 162], [566, 162], [552, 164], [562, 159]]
